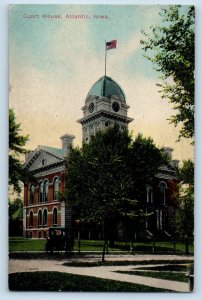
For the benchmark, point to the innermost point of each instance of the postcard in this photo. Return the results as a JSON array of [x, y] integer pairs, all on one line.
[[101, 147]]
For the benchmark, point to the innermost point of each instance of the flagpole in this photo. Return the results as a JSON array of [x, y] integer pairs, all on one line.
[[105, 58]]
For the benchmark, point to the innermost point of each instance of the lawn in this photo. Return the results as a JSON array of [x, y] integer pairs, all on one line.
[[55, 281], [168, 275], [25, 244]]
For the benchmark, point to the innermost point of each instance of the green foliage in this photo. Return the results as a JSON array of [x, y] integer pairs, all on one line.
[[15, 209], [108, 177], [171, 50], [16, 149], [186, 173]]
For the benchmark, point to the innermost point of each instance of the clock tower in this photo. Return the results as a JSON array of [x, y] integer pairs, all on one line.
[[105, 106]]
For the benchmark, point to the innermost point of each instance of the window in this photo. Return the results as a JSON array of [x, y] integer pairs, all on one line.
[[149, 195], [45, 217], [41, 192], [55, 217], [31, 199], [31, 218], [55, 188], [44, 162], [45, 190], [162, 188], [39, 218]]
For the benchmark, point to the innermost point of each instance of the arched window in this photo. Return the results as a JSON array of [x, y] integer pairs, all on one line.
[[162, 190], [149, 195], [39, 218], [45, 190], [55, 188], [31, 218], [45, 217], [55, 217], [41, 192], [31, 199]]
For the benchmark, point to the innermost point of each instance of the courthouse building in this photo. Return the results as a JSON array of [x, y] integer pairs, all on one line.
[[105, 106]]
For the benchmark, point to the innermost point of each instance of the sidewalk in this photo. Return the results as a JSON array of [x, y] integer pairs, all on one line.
[[105, 272]]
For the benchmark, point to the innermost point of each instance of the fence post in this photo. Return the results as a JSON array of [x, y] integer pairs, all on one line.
[[153, 247], [191, 277], [174, 246], [131, 248]]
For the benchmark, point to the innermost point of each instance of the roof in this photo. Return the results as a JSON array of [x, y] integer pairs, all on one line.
[[106, 87], [53, 150], [56, 153]]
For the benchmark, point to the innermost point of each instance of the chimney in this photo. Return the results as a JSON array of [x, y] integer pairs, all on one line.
[[67, 142], [168, 152]]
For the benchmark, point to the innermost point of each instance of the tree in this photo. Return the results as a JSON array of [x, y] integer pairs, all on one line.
[[171, 50], [185, 218], [15, 217], [16, 148], [14, 207], [106, 178]]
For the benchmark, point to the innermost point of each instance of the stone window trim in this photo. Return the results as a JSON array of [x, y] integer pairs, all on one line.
[[40, 217], [55, 216], [31, 193], [56, 187], [45, 217], [31, 218]]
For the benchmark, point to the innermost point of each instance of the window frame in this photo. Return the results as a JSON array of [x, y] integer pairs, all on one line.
[[56, 180], [40, 218], [55, 216]]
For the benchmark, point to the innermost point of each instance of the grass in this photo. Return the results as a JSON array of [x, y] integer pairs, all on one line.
[[169, 267], [25, 244], [175, 276], [55, 281]]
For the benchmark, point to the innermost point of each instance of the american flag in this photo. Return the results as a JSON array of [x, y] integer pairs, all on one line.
[[111, 45]]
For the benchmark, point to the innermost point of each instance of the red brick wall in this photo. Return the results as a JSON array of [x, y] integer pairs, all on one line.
[[36, 206]]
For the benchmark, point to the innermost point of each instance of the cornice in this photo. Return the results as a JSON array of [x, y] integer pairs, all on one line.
[[103, 113]]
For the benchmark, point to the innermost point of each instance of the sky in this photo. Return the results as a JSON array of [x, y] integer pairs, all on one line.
[[53, 62]]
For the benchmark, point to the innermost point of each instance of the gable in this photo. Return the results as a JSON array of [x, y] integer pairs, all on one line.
[[42, 158]]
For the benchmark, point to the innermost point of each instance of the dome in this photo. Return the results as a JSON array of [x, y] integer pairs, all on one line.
[[106, 87]]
